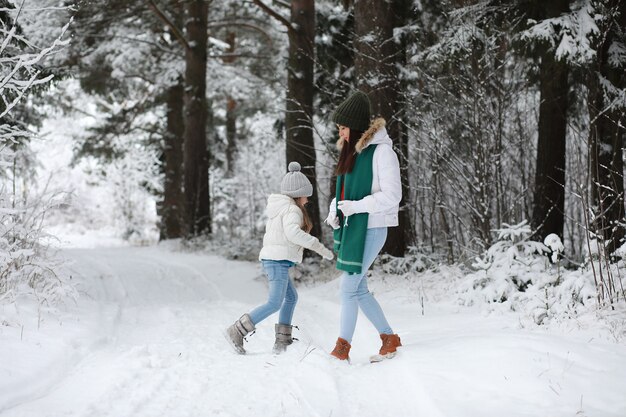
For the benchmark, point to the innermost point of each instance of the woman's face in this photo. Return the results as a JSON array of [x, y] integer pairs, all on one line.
[[344, 132], [302, 201]]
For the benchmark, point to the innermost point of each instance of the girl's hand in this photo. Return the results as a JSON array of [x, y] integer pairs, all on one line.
[[332, 220], [327, 254], [322, 250]]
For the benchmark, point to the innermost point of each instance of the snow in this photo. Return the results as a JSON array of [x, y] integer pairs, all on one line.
[[219, 43], [553, 242], [570, 33], [145, 339]]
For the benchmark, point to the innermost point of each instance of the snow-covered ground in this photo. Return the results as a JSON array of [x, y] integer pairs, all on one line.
[[145, 339]]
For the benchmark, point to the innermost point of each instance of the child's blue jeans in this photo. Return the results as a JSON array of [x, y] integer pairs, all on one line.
[[282, 293], [355, 294]]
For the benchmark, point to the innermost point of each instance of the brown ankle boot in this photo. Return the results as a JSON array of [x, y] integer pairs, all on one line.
[[341, 350], [390, 344]]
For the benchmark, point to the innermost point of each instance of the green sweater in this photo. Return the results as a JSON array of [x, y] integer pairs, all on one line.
[[349, 239]]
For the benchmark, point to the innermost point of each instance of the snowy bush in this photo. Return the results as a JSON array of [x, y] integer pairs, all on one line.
[[27, 266], [134, 178], [515, 274], [509, 265], [415, 260], [553, 242]]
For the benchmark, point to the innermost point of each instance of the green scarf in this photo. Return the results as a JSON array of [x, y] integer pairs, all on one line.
[[350, 237]]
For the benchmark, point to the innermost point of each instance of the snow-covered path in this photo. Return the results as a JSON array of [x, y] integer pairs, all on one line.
[[145, 340]]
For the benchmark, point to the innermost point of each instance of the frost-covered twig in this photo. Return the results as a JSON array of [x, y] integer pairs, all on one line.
[[27, 266]]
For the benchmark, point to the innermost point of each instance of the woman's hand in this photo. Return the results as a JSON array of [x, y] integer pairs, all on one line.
[[348, 207]]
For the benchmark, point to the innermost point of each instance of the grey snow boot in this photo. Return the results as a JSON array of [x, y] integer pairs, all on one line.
[[237, 331], [283, 337]]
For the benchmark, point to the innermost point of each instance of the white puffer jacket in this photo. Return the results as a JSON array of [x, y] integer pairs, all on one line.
[[383, 203], [284, 238]]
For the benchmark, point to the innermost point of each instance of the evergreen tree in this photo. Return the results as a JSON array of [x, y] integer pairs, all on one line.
[[549, 193], [124, 54], [196, 161]]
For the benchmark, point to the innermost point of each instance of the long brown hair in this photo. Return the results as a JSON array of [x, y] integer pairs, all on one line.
[[347, 157], [307, 224]]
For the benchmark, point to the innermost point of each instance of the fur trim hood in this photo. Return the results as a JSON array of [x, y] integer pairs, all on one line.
[[376, 133]]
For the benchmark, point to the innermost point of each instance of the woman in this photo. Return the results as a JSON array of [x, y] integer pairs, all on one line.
[[286, 235], [366, 203]]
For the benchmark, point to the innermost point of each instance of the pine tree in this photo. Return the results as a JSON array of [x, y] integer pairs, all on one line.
[[549, 193], [196, 161], [147, 81]]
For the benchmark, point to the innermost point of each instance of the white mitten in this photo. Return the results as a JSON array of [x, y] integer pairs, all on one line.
[[322, 250], [327, 254], [348, 207], [332, 220]]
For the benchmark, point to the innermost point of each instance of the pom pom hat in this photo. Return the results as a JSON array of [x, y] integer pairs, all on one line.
[[295, 184]]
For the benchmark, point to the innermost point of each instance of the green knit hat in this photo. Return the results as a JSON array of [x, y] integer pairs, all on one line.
[[354, 112]]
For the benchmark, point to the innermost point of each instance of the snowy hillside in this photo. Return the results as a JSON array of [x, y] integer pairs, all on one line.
[[145, 339]]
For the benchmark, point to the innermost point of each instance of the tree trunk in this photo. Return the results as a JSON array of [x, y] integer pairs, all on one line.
[[300, 88], [172, 207], [549, 198], [231, 115], [606, 143], [195, 150], [231, 135], [300, 145], [377, 58]]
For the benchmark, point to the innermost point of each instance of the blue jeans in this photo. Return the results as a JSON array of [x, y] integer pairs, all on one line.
[[355, 294], [283, 295]]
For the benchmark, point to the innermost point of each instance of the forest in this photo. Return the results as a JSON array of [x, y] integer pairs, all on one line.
[[504, 114], [500, 111]]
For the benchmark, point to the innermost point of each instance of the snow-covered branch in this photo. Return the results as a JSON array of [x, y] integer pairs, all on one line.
[[19, 70], [26, 265]]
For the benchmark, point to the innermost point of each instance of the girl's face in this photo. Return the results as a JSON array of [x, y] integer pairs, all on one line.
[[302, 201], [344, 132]]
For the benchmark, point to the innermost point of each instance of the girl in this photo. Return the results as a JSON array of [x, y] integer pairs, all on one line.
[[286, 236], [366, 203]]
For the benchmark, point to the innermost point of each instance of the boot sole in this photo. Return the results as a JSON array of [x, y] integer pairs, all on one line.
[[380, 358], [336, 359]]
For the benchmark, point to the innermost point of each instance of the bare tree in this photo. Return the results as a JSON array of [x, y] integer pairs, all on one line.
[[606, 130], [27, 265]]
